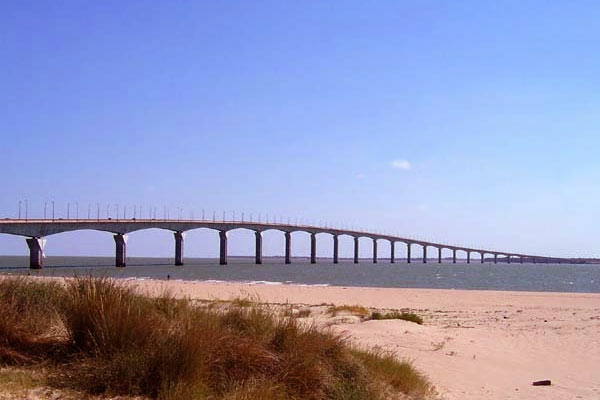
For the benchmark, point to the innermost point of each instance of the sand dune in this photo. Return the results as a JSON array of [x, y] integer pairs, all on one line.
[[473, 344]]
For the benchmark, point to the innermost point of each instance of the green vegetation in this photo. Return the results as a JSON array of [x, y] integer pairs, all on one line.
[[99, 336], [406, 316]]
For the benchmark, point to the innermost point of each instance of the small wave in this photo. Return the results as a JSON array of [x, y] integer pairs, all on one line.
[[264, 283], [313, 285]]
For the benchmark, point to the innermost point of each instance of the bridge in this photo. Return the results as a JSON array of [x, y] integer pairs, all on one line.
[[35, 230]]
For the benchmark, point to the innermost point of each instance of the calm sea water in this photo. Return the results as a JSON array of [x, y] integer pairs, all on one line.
[[523, 277]]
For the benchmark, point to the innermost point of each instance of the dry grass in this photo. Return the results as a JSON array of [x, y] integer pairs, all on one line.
[[102, 337], [406, 316], [350, 309]]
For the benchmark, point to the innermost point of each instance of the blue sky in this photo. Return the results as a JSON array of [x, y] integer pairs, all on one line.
[[467, 122]]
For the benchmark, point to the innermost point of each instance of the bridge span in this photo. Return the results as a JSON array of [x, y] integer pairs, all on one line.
[[35, 230]]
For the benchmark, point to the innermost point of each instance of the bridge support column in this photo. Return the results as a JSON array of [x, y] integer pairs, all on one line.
[[508, 259], [223, 247], [36, 252], [521, 259], [453, 256], [495, 258], [468, 257], [178, 248], [374, 251], [121, 250], [533, 259], [355, 250], [313, 248], [288, 248], [439, 255], [482, 258], [392, 252], [258, 251], [424, 254], [408, 252], [335, 249]]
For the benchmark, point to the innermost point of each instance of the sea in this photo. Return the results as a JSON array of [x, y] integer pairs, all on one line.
[[579, 278]]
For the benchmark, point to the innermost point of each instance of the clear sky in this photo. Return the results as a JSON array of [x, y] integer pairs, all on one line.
[[471, 122]]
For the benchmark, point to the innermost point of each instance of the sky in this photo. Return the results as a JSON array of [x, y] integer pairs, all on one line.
[[474, 123]]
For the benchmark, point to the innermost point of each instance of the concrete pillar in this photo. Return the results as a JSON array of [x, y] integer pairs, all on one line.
[[533, 259], [121, 250], [178, 248], [313, 248], [424, 254], [468, 257], [521, 259], [288, 248], [223, 247], [36, 252], [258, 249], [335, 249], [408, 252], [495, 258], [482, 258], [453, 256], [356, 250], [439, 255], [508, 259], [392, 251], [374, 251]]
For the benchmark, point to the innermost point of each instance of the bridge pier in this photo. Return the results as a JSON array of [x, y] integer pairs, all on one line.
[[121, 250], [408, 252], [258, 248], [495, 258], [178, 248], [288, 248], [374, 251], [355, 249], [313, 248], [335, 249], [468, 257], [223, 247], [453, 256], [392, 252], [521, 259], [508, 258], [36, 252], [424, 254], [439, 255], [482, 258]]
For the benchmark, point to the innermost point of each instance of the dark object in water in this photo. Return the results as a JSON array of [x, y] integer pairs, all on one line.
[[542, 383]]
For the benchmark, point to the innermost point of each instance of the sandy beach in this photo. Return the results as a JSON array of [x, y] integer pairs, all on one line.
[[472, 345]]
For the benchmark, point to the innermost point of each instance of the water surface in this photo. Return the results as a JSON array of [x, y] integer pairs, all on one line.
[[521, 277]]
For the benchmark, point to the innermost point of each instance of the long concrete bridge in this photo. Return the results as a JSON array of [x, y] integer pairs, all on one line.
[[37, 229]]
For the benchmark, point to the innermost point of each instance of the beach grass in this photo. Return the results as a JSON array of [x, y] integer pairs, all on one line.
[[102, 337], [406, 316], [350, 309]]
